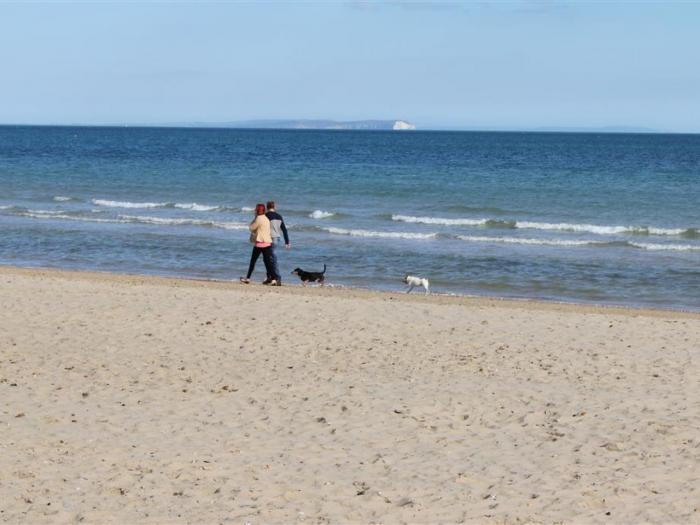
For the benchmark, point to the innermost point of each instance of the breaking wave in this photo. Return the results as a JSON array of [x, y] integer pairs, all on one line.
[[195, 207], [602, 230], [183, 222], [569, 242], [130, 219], [41, 214], [496, 223], [671, 247], [547, 226], [380, 234], [146, 205], [320, 214], [127, 204], [517, 240]]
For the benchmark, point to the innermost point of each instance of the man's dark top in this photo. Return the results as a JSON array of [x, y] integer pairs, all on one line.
[[277, 227]]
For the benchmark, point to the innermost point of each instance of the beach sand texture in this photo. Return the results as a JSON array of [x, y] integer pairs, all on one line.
[[150, 400]]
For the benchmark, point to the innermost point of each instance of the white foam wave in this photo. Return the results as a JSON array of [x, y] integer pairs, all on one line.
[[247, 208], [664, 247], [192, 206], [140, 219], [320, 214], [579, 228], [569, 242], [517, 240], [666, 231], [384, 235], [61, 198], [183, 222], [195, 207], [127, 204], [600, 230], [46, 213], [439, 220], [547, 226], [38, 214]]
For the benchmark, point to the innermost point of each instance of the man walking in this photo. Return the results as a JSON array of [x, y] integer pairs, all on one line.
[[277, 230]]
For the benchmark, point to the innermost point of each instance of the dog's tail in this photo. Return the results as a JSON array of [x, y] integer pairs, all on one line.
[[324, 269]]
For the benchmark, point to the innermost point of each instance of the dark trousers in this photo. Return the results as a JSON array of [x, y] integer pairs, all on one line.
[[267, 254], [275, 273]]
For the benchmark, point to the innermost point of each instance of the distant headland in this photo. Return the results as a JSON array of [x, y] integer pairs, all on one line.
[[396, 125]]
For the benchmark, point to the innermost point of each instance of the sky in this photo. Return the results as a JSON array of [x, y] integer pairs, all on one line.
[[474, 65]]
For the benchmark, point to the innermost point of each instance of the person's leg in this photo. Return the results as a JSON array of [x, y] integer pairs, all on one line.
[[275, 266], [269, 265], [253, 259], [268, 260], [275, 274]]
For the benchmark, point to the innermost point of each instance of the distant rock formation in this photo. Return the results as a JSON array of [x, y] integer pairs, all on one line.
[[402, 125]]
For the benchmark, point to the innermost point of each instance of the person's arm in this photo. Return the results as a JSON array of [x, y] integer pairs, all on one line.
[[284, 232], [254, 225]]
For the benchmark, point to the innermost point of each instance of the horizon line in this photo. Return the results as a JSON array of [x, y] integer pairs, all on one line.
[[618, 130]]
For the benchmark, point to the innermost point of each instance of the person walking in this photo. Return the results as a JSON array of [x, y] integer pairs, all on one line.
[[262, 244], [277, 231]]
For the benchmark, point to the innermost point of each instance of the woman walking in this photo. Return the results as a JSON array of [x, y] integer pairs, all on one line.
[[262, 244]]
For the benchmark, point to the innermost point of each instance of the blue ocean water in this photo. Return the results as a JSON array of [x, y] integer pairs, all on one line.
[[600, 218]]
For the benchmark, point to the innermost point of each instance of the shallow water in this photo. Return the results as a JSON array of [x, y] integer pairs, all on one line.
[[604, 218]]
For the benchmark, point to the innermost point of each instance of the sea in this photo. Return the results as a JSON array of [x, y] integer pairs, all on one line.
[[610, 219]]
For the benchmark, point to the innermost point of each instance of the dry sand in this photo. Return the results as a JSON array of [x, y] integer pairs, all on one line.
[[150, 400]]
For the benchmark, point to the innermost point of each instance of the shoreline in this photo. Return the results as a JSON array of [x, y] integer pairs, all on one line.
[[351, 291]]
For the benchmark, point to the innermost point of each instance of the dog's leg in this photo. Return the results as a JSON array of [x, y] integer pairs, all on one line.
[[427, 290], [410, 287]]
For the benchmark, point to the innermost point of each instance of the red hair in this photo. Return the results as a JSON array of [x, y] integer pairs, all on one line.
[[259, 209]]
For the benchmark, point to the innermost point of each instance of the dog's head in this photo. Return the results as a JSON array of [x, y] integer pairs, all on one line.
[[296, 271], [405, 278]]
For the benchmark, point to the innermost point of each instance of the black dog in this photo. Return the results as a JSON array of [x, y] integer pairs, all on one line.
[[310, 277]]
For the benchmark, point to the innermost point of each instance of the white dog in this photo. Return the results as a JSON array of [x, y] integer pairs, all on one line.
[[413, 281]]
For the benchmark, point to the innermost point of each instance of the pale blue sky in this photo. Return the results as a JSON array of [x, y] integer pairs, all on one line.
[[485, 65]]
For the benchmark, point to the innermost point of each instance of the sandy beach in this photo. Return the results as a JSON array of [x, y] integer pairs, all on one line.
[[131, 399]]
